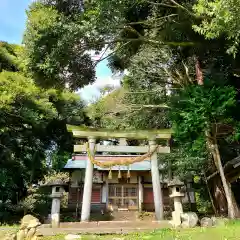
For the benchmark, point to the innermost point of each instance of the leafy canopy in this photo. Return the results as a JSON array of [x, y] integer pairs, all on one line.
[[33, 123], [56, 48], [219, 17], [197, 110]]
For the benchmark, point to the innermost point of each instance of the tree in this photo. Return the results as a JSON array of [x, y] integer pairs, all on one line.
[[201, 115], [191, 60], [8, 57], [219, 18], [56, 48], [25, 109], [33, 120]]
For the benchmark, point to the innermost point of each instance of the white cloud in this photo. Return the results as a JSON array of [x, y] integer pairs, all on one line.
[[99, 55], [106, 81], [92, 91]]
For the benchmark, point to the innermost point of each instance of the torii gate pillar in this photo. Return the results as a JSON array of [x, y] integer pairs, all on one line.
[[87, 191], [157, 191]]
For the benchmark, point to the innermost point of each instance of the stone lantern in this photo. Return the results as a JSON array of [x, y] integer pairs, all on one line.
[[57, 194], [176, 190]]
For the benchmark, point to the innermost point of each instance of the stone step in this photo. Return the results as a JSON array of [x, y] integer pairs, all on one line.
[[125, 216], [104, 227]]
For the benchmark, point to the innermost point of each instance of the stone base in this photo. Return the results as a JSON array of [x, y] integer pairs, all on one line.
[[176, 219], [55, 219]]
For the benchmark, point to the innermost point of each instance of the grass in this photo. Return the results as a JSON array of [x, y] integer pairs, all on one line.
[[229, 232], [9, 226], [6, 229]]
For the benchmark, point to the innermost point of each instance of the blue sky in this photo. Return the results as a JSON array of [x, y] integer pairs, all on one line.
[[12, 25], [12, 19]]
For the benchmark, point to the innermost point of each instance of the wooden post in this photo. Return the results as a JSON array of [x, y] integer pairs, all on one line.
[[87, 191], [157, 191], [107, 190]]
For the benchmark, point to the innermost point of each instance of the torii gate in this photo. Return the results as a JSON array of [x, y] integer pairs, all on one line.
[[93, 134]]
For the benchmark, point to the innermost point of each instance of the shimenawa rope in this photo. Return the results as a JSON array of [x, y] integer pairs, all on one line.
[[126, 161]]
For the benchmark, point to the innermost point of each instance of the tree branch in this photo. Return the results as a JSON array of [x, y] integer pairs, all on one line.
[[149, 22], [161, 4], [112, 53], [182, 7]]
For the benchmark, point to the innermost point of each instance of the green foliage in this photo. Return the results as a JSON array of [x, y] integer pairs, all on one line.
[[24, 110], [158, 43], [10, 213], [35, 105], [38, 200], [195, 111], [59, 159], [102, 113], [15, 88], [142, 89], [201, 108], [8, 57], [219, 17], [203, 204], [55, 48], [52, 176], [32, 121]]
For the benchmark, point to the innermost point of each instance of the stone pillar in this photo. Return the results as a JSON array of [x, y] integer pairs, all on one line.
[[55, 211], [178, 204], [57, 194], [140, 193], [87, 191], [157, 191]]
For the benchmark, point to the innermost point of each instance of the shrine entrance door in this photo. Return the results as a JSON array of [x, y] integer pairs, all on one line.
[[123, 196]]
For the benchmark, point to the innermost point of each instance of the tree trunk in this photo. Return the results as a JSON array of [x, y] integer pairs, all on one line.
[[219, 195], [199, 74], [235, 205], [188, 196], [210, 194], [217, 159]]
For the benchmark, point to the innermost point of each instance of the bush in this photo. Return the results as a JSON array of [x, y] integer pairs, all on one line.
[[38, 202], [10, 213]]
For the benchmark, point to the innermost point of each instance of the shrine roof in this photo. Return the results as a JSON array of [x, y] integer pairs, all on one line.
[[80, 163]]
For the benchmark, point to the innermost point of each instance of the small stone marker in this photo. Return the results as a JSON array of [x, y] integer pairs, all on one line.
[[72, 236], [206, 222], [189, 219]]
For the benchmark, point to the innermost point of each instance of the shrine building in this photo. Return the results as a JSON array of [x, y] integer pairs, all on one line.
[[128, 187], [121, 176]]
